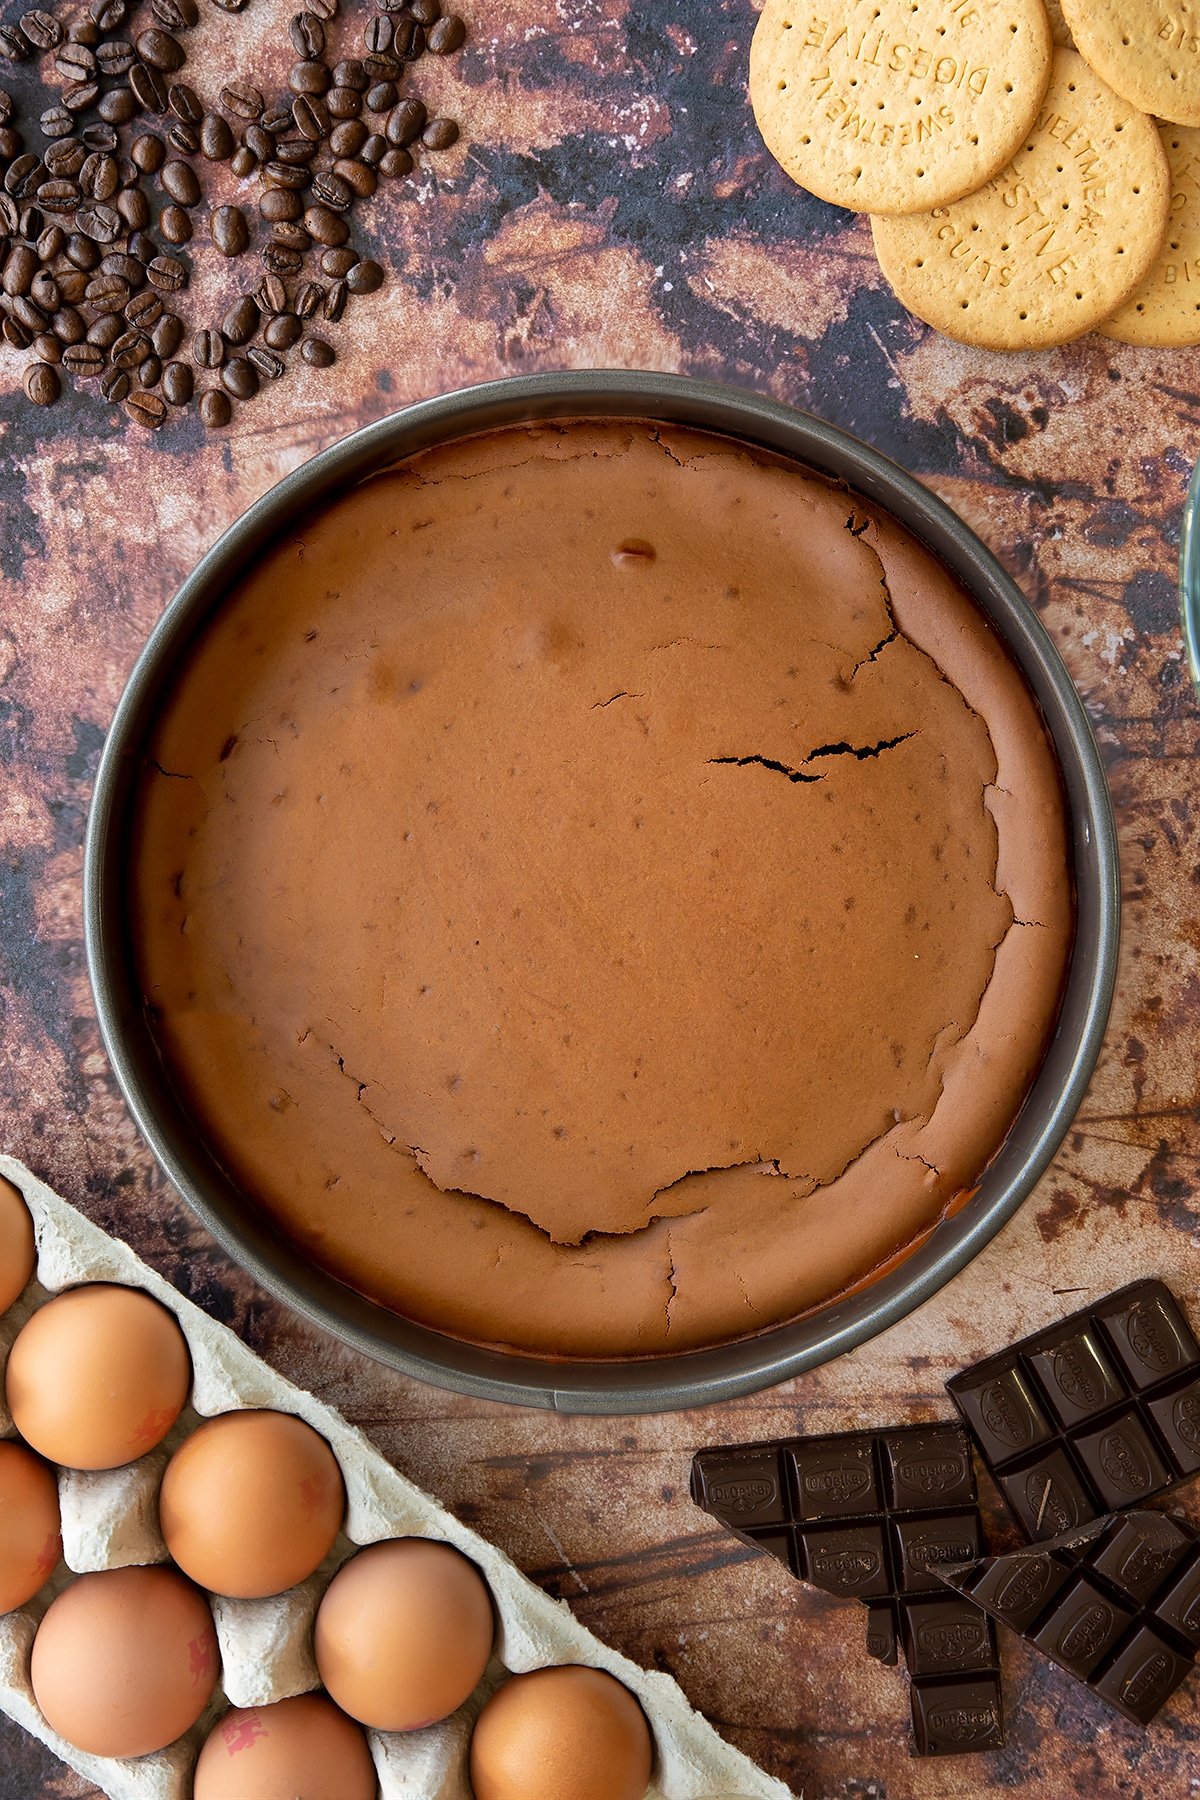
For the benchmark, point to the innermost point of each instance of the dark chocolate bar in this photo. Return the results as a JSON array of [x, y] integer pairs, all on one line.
[[1094, 1414], [1117, 1604], [872, 1516]]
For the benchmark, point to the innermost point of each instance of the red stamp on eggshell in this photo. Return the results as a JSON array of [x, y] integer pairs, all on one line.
[[242, 1733]]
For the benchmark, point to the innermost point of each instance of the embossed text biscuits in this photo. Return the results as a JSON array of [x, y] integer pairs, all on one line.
[[1165, 310], [1057, 241], [1148, 50], [894, 106]]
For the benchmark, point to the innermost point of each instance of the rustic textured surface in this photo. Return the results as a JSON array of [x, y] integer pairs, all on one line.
[[617, 208]]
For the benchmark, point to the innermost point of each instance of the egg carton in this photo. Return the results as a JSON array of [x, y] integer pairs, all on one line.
[[110, 1520]]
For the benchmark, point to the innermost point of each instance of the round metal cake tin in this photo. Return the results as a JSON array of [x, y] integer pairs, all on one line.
[[700, 1377]]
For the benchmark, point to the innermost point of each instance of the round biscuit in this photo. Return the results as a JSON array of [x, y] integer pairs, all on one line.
[[894, 106], [1147, 50], [1056, 242], [1165, 310]]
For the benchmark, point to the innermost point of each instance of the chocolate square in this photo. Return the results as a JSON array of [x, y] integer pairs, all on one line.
[[1150, 1335], [1177, 1416], [778, 1544], [1048, 1498], [743, 1488], [1123, 1464], [928, 1468], [955, 1717], [1016, 1588], [946, 1637], [1143, 1675], [1002, 1412], [1179, 1605], [850, 1561], [833, 1477], [882, 1640], [926, 1543], [1080, 1627], [1076, 1376], [1138, 1557]]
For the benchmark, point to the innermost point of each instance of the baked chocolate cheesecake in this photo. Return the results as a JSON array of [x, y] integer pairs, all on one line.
[[603, 891]]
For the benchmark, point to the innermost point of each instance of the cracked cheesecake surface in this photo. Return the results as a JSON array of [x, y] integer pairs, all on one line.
[[604, 892]]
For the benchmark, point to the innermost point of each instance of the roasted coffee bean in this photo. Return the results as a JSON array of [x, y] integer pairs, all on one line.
[[104, 331], [23, 175], [178, 179], [175, 15], [47, 348], [243, 163], [160, 50], [109, 15], [334, 303], [167, 273], [267, 363], [11, 143], [332, 191], [309, 77], [81, 96], [406, 124], [114, 385], [276, 119], [325, 227], [149, 371], [75, 62], [175, 225], [229, 231], [317, 353], [260, 141], [290, 239], [116, 57], [343, 103], [378, 34], [215, 409], [293, 176], [44, 291], [130, 268], [72, 284], [351, 73], [445, 36], [57, 122], [277, 204], [167, 335], [382, 97], [31, 315], [99, 222], [66, 157], [134, 208], [281, 259], [146, 409], [307, 34], [409, 41], [374, 149], [365, 277], [308, 298], [271, 295], [439, 134], [425, 12], [6, 107], [242, 99], [395, 162], [230, 6], [148, 153], [297, 152], [58, 196], [15, 334], [144, 311], [240, 378], [347, 137], [310, 116], [98, 177], [336, 263], [184, 139], [177, 383], [130, 349], [20, 267], [241, 321], [10, 216], [118, 106], [208, 349], [31, 223], [84, 30], [150, 90], [50, 243], [216, 139], [283, 331], [42, 29], [14, 45], [85, 361], [42, 385], [383, 68], [184, 102]]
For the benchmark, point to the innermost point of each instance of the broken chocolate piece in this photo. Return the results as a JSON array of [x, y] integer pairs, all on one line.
[[1098, 1412]]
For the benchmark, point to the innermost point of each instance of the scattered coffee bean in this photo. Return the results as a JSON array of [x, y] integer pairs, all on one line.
[[365, 277], [56, 122], [325, 226], [167, 273], [241, 321], [309, 77], [208, 349], [240, 378], [116, 57], [84, 361], [184, 102], [30, 223], [50, 243], [58, 196], [347, 137], [242, 99], [378, 34], [130, 349], [109, 15], [177, 383], [143, 246], [44, 291], [307, 34], [385, 67], [268, 364], [175, 225], [276, 119], [147, 153], [343, 103], [374, 150], [215, 409], [81, 95], [216, 139], [84, 31], [160, 50], [317, 352], [104, 331], [23, 175], [108, 293], [409, 41], [144, 310], [146, 409], [47, 348], [178, 180], [337, 263], [439, 134], [258, 139], [325, 10], [167, 335], [183, 139], [29, 314], [279, 204], [15, 334], [65, 158], [229, 230], [42, 384], [134, 208], [149, 88], [42, 29], [82, 252], [75, 62], [130, 269], [381, 97], [114, 385], [445, 36], [175, 15], [72, 284], [98, 177], [14, 45], [280, 259], [358, 177], [290, 234], [230, 6], [309, 296], [149, 371], [425, 12], [283, 331], [243, 163], [271, 295], [395, 162], [310, 116], [334, 303]]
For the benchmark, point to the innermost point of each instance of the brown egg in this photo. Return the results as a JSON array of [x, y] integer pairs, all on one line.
[[561, 1734], [18, 1252], [30, 1538], [251, 1503], [303, 1746], [98, 1376], [125, 1661], [404, 1633]]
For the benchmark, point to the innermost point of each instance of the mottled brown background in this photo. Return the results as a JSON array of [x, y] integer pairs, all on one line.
[[614, 206]]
